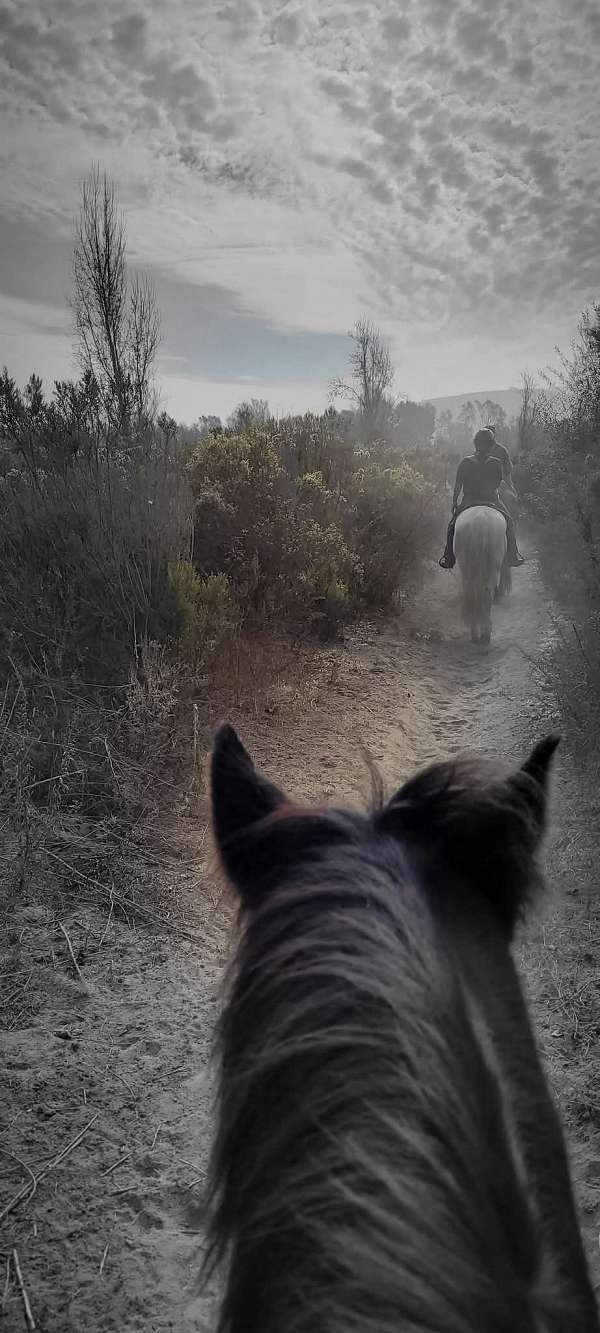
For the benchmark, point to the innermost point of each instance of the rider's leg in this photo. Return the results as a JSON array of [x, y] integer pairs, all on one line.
[[514, 556], [448, 561]]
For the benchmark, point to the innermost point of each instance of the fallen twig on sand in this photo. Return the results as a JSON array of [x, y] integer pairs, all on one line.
[[24, 1167], [27, 1192], [174, 1070], [123, 902], [25, 1298], [103, 1259], [120, 1162], [126, 1083], [110, 914], [70, 948]]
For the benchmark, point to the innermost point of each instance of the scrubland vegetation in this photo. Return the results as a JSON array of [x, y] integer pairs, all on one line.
[[558, 473], [157, 577], [147, 567]]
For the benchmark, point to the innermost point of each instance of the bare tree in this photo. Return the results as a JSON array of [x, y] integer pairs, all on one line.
[[529, 418], [117, 322], [254, 412], [371, 375], [142, 343]]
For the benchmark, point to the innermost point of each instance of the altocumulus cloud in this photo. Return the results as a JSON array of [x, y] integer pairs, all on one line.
[[432, 162]]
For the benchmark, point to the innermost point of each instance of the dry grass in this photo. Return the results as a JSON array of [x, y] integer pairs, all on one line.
[[262, 673], [124, 801]]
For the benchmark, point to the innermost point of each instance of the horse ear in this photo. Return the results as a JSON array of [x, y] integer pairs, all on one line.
[[530, 785], [538, 765], [240, 798]]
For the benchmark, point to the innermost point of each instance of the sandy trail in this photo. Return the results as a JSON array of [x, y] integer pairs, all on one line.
[[111, 1239]]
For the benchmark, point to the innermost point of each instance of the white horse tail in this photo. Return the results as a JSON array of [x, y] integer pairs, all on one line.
[[480, 550]]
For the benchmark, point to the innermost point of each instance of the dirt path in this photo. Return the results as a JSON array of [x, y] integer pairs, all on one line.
[[111, 1239]]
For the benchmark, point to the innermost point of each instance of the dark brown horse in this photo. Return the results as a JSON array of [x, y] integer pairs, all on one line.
[[387, 1154]]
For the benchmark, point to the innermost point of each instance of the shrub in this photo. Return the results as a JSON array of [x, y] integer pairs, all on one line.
[[269, 533], [398, 518], [306, 528], [327, 583], [85, 554], [558, 478], [204, 610]]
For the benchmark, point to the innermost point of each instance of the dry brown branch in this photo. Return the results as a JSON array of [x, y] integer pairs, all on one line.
[[24, 1167], [174, 1070], [126, 1083], [110, 1169], [70, 948], [26, 1192], [26, 1306], [196, 1181], [125, 902], [109, 919]]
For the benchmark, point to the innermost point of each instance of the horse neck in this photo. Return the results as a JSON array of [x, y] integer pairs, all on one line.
[[362, 1172]]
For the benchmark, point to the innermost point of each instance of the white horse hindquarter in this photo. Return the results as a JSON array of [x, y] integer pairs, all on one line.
[[480, 550]]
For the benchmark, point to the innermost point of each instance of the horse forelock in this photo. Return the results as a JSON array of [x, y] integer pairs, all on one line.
[[353, 1181]]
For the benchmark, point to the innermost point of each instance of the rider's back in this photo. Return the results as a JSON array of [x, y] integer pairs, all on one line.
[[480, 480]]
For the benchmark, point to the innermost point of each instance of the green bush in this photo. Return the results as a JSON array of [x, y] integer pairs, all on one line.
[[306, 528], [204, 610], [260, 527], [398, 520], [327, 583]]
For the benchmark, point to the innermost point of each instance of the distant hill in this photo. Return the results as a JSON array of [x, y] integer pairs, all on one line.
[[508, 399]]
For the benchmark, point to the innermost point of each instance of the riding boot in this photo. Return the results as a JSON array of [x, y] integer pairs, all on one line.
[[448, 560], [515, 559]]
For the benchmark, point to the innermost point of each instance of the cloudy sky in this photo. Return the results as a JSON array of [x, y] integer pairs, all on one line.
[[287, 167]]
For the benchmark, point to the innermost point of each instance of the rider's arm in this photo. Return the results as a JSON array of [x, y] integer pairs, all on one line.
[[496, 472], [458, 485]]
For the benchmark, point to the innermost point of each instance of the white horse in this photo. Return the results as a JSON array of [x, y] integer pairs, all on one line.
[[480, 550]]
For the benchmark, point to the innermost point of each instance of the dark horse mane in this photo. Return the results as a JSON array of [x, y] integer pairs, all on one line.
[[371, 1169]]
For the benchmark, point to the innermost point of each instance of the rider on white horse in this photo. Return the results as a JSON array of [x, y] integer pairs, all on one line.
[[479, 478]]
